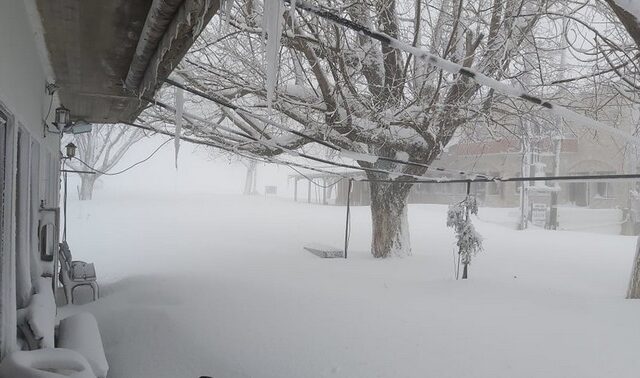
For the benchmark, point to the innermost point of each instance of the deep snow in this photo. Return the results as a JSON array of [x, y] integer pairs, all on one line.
[[221, 286]]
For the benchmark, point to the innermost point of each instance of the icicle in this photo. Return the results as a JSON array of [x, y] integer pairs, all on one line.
[[292, 11], [200, 23], [228, 5], [179, 96], [271, 32]]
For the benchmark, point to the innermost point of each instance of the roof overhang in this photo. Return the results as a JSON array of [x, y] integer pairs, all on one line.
[[97, 46]]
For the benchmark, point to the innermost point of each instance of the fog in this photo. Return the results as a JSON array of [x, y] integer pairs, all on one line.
[[200, 170]]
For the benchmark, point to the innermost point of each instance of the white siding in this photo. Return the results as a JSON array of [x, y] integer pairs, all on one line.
[[23, 77]]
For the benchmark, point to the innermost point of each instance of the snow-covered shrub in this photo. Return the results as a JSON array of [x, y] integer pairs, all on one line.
[[469, 241]]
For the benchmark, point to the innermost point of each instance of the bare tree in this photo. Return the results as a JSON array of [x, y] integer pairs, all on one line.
[[363, 96], [628, 18], [101, 149]]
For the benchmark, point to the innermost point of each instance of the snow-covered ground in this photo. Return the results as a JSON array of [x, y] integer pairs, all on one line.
[[220, 286]]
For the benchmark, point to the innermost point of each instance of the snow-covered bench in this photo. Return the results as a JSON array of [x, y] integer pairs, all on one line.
[[45, 363], [80, 332], [324, 251], [76, 273], [77, 333], [37, 321]]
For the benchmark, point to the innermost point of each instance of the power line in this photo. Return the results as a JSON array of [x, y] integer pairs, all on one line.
[[576, 178], [418, 180], [423, 179], [455, 68], [126, 169], [315, 183], [234, 150], [223, 102], [270, 144]]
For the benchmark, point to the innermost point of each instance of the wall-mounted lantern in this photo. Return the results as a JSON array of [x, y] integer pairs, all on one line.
[[71, 150], [63, 117]]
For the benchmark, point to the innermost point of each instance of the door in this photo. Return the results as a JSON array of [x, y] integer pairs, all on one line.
[[579, 193]]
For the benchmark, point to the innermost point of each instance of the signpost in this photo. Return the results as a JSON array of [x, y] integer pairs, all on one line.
[[539, 214]]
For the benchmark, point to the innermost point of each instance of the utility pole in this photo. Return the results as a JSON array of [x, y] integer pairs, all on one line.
[[553, 212], [525, 172], [465, 269], [557, 141]]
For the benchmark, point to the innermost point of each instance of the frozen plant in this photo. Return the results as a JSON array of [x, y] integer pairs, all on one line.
[[469, 241]]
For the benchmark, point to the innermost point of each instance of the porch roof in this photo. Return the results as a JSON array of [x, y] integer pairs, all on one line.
[[95, 47]]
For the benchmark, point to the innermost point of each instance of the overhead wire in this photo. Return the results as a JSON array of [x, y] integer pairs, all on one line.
[[238, 109], [441, 63], [425, 180], [292, 152], [311, 180], [455, 68], [231, 149], [413, 179], [126, 169]]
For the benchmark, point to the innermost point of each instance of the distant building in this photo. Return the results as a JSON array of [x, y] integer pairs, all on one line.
[[581, 152]]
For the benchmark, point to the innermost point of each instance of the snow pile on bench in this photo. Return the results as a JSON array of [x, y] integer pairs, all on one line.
[[37, 321], [45, 363], [80, 332], [324, 251]]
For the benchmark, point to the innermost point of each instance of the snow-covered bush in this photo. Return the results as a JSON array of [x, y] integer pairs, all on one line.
[[469, 241]]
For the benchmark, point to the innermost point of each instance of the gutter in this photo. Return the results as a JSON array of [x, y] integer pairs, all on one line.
[[160, 15], [170, 29]]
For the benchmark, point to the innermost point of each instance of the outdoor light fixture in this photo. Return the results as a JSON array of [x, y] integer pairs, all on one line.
[[71, 150], [81, 127], [63, 116]]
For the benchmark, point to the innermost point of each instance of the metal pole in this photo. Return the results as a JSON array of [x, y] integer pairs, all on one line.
[[553, 213], [347, 220], [324, 191], [64, 232], [466, 263]]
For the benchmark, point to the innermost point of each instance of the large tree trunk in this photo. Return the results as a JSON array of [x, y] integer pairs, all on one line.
[[630, 22], [633, 292], [390, 222], [250, 179], [87, 183]]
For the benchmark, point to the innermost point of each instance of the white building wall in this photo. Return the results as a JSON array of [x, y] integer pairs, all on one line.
[[24, 73]]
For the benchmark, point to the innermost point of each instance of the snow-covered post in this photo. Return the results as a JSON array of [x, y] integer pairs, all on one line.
[[87, 183], [469, 241], [525, 170], [633, 292], [250, 178]]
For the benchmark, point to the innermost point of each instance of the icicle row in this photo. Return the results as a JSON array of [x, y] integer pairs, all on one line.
[[179, 99], [228, 6], [272, 33]]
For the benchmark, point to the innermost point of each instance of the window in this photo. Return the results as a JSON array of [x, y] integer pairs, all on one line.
[[22, 219], [494, 188], [604, 189], [579, 191], [34, 210], [425, 188]]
